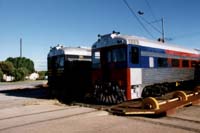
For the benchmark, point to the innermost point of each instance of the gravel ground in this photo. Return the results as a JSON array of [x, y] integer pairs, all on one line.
[[29, 110], [21, 84]]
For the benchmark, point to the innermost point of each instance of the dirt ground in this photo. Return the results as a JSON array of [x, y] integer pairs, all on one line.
[[28, 109]]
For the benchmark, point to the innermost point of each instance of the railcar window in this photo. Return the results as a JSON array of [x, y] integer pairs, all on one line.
[[135, 55], [175, 63], [77, 57], [71, 57], [96, 57], [162, 62], [109, 56], [193, 63], [87, 57], [185, 63], [118, 55], [151, 62], [60, 62]]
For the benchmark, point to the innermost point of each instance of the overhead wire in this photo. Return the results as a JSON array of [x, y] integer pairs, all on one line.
[[152, 25], [153, 15], [155, 21], [149, 6], [186, 35], [140, 22]]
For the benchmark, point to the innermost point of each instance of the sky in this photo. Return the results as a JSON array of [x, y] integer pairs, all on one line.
[[45, 23]]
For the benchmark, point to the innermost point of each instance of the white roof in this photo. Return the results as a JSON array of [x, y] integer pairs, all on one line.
[[115, 39], [60, 50]]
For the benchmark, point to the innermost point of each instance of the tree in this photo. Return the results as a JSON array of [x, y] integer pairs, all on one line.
[[18, 67], [17, 75], [42, 75], [20, 73], [6, 67], [1, 75], [20, 62]]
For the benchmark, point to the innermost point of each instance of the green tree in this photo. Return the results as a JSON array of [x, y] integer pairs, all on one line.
[[20, 62], [42, 75], [6, 67], [1, 75], [20, 73], [17, 75]]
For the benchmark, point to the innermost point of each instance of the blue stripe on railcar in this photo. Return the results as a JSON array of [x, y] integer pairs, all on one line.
[[144, 54], [149, 49]]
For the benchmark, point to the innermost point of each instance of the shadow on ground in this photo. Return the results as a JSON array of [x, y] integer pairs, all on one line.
[[37, 92], [41, 92]]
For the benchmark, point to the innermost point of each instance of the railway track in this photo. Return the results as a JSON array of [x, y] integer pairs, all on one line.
[[37, 113], [177, 121], [41, 117], [172, 122]]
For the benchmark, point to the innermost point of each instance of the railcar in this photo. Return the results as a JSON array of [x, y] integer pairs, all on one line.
[[69, 72], [129, 67]]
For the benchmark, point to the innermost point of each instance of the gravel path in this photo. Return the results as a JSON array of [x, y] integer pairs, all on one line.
[[29, 110]]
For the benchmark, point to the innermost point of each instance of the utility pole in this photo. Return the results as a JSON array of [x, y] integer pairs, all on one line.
[[20, 47], [163, 32]]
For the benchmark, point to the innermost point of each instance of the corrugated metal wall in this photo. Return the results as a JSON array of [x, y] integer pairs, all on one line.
[[161, 75]]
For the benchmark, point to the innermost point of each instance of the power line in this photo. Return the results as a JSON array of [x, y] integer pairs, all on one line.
[[134, 14], [155, 18], [151, 25], [149, 6]]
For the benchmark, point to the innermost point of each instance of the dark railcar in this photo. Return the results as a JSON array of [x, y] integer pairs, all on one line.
[[69, 72]]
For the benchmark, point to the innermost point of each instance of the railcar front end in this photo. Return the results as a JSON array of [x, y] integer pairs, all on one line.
[[69, 72]]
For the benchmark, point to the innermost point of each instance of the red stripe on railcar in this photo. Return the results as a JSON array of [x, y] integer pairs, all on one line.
[[171, 52], [128, 85]]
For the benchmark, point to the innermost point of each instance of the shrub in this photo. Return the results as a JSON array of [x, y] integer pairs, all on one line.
[[1, 75], [42, 75], [6, 67]]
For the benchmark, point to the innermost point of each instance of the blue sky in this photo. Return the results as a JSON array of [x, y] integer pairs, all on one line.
[[45, 23]]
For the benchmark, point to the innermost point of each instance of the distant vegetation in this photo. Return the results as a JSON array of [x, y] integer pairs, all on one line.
[[18, 67], [22, 63], [42, 75], [1, 75]]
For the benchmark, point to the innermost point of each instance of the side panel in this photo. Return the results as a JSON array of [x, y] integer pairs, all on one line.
[[136, 81], [136, 76], [141, 77], [161, 75]]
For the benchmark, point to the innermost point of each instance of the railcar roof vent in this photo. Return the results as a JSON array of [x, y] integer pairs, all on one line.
[[59, 46], [114, 32]]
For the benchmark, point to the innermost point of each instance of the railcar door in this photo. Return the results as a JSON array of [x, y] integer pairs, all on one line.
[[135, 71]]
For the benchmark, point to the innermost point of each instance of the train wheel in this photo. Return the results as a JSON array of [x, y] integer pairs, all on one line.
[[181, 95], [97, 92], [150, 103], [147, 92], [109, 93], [154, 91]]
